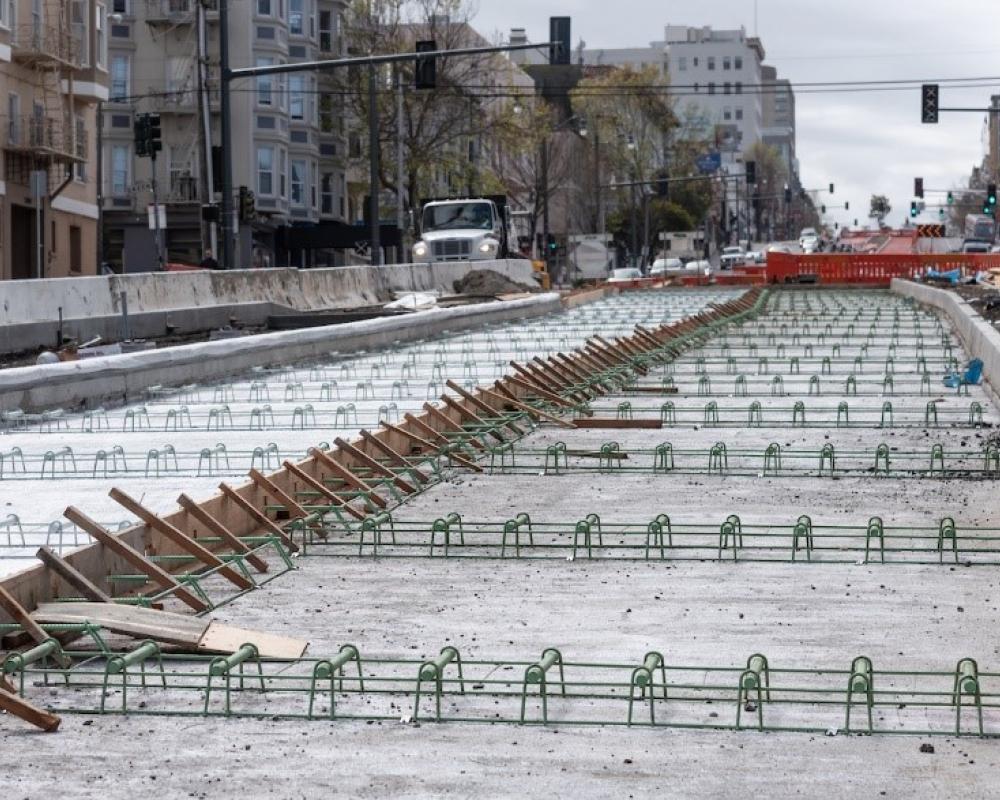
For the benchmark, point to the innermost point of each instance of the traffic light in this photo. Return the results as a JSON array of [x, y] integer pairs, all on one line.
[[951, 198], [988, 209], [155, 134], [559, 50], [991, 194], [551, 245], [918, 187], [913, 208], [425, 69], [831, 188], [822, 209], [847, 205], [247, 205], [941, 214], [751, 170], [662, 185], [140, 132], [929, 103]]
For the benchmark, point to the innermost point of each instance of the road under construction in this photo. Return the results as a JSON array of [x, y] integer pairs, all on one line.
[[710, 540]]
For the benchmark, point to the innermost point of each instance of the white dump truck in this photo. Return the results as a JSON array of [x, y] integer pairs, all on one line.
[[466, 229]]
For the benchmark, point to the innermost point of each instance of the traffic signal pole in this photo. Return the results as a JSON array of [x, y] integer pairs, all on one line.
[[226, 125], [156, 216]]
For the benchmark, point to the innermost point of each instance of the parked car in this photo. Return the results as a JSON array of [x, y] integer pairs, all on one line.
[[732, 257], [625, 275], [809, 240], [662, 266], [756, 257]]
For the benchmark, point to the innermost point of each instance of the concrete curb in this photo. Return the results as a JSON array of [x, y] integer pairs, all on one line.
[[124, 378], [979, 337]]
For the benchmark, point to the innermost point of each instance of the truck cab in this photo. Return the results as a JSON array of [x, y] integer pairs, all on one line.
[[473, 229]]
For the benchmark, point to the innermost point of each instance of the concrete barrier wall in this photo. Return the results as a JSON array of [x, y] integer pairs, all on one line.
[[340, 287], [979, 337], [124, 378]]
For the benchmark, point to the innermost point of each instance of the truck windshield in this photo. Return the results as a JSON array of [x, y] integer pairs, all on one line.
[[454, 216]]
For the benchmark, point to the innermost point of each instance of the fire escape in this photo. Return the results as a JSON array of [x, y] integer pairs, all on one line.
[[46, 136]]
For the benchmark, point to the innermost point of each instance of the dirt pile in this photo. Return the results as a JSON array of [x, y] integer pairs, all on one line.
[[486, 281]]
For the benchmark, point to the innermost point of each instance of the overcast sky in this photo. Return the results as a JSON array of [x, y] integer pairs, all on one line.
[[864, 143]]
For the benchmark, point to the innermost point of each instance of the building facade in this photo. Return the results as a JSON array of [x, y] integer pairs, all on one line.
[[53, 75], [288, 136]]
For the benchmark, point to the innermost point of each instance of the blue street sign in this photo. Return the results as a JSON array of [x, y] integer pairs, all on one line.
[[709, 163]]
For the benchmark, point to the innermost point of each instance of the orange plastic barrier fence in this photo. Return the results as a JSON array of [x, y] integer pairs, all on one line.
[[859, 268]]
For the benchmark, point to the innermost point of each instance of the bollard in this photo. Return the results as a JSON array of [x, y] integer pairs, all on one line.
[[860, 681], [966, 685], [121, 663], [433, 670], [642, 678], [223, 666], [755, 678], [537, 673]]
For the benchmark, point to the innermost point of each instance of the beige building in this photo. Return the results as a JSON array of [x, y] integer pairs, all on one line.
[[287, 136], [53, 74]]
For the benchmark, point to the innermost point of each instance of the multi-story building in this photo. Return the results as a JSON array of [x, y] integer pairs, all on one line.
[[53, 73], [779, 117], [287, 143]]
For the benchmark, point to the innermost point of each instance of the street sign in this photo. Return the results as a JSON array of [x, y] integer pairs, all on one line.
[[709, 163], [930, 231], [162, 209]]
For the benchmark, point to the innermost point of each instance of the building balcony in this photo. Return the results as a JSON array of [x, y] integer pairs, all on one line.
[[43, 45], [170, 12], [45, 138]]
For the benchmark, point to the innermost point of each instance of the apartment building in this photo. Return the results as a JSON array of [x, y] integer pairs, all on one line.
[[53, 74], [778, 100], [288, 134]]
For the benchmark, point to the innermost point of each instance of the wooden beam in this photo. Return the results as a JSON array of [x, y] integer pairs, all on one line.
[[374, 465], [427, 430], [259, 516], [136, 559], [507, 396], [427, 444], [234, 542], [445, 420], [73, 577], [14, 704], [478, 403], [346, 475], [538, 391], [462, 411], [323, 489], [607, 422], [21, 616], [187, 543], [269, 487], [398, 458]]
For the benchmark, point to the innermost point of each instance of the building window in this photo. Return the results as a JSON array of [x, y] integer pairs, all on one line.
[[295, 15], [695, 61], [711, 88], [265, 83], [326, 193], [711, 62], [682, 64], [80, 167], [282, 172], [298, 184], [264, 8], [4, 16], [75, 248], [739, 113], [326, 31], [726, 63], [121, 169], [326, 113], [120, 7], [120, 69], [739, 62], [265, 170], [296, 96], [101, 37], [739, 87], [312, 185], [727, 88], [13, 118], [727, 113]]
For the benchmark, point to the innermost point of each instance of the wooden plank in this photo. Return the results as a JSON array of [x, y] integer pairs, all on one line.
[[68, 573], [269, 487], [181, 539], [651, 390], [259, 516], [323, 489], [538, 391], [135, 558], [449, 423], [427, 430], [182, 630], [507, 396], [471, 416], [421, 442], [219, 638], [607, 422], [484, 407], [347, 476], [231, 539], [398, 458], [21, 616], [12, 703], [375, 466]]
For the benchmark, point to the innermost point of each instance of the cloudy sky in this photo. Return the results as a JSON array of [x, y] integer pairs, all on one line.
[[863, 142]]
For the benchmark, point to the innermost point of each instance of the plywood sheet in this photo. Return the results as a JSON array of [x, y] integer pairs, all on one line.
[[221, 638], [142, 623]]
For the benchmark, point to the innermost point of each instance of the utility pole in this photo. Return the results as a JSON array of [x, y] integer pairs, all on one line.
[[207, 189], [597, 181], [400, 167], [373, 166], [226, 124], [100, 186], [156, 215], [545, 202]]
